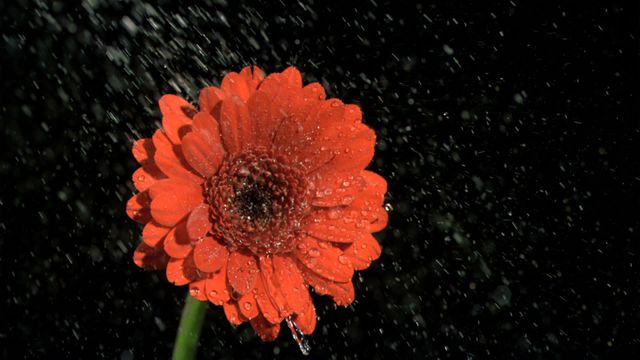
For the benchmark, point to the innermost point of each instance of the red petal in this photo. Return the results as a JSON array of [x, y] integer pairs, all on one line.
[[143, 179], [233, 313], [292, 76], [169, 208], [376, 187], [264, 329], [197, 290], [336, 189], [235, 85], [242, 271], [313, 91], [349, 152], [324, 259], [210, 255], [343, 293], [291, 283], [248, 305], [273, 289], [300, 126], [270, 107], [182, 271], [337, 225], [306, 320], [150, 258], [143, 150], [177, 243], [203, 156], [169, 161], [266, 304], [363, 252], [176, 116], [253, 75], [153, 233], [216, 287], [234, 124], [138, 207], [210, 98], [207, 126], [198, 222]]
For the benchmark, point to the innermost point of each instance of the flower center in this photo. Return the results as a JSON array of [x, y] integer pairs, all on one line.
[[257, 202]]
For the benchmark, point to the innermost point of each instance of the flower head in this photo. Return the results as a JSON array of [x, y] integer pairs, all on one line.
[[257, 195]]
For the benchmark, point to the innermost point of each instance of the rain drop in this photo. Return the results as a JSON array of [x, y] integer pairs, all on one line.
[[314, 252], [298, 336]]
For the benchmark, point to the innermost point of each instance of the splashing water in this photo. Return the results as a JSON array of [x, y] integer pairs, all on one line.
[[299, 337]]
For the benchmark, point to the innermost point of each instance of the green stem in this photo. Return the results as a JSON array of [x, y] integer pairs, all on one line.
[[186, 345]]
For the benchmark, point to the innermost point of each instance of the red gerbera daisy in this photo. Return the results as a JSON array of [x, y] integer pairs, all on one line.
[[258, 194]]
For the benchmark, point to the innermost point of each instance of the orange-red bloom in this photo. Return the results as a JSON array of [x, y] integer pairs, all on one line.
[[258, 194]]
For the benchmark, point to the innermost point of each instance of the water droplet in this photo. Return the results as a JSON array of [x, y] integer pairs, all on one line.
[[342, 259], [345, 183], [195, 291], [247, 306], [388, 207], [213, 293], [347, 200], [314, 252], [141, 178], [298, 336]]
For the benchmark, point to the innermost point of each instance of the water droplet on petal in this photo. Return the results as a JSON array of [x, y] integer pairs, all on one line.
[[314, 252], [247, 306], [342, 259], [195, 291]]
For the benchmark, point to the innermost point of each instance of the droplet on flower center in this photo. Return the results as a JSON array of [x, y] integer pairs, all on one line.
[[258, 201]]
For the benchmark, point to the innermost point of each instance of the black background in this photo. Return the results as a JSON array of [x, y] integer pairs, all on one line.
[[508, 132]]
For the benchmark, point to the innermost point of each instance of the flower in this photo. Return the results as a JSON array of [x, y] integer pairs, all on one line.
[[257, 195]]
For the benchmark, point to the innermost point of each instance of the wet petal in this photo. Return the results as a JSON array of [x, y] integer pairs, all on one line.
[[150, 257], [343, 293], [265, 303], [143, 179], [197, 290], [216, 287], [344, 229], [169, 208], [177, 243], [153, 233], [176, 116], [336, 189], [198, 222], [363, 252], [324, 259], [170, 161], [210, 255], [242, 271], [143, 150], [232, 312], [236, 85], [209, 100], [306, 319], [234, 125], [248, 305], [265, 330], [203, 156], [138, 207], [273, 289], [291, 283], [182, 271]]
